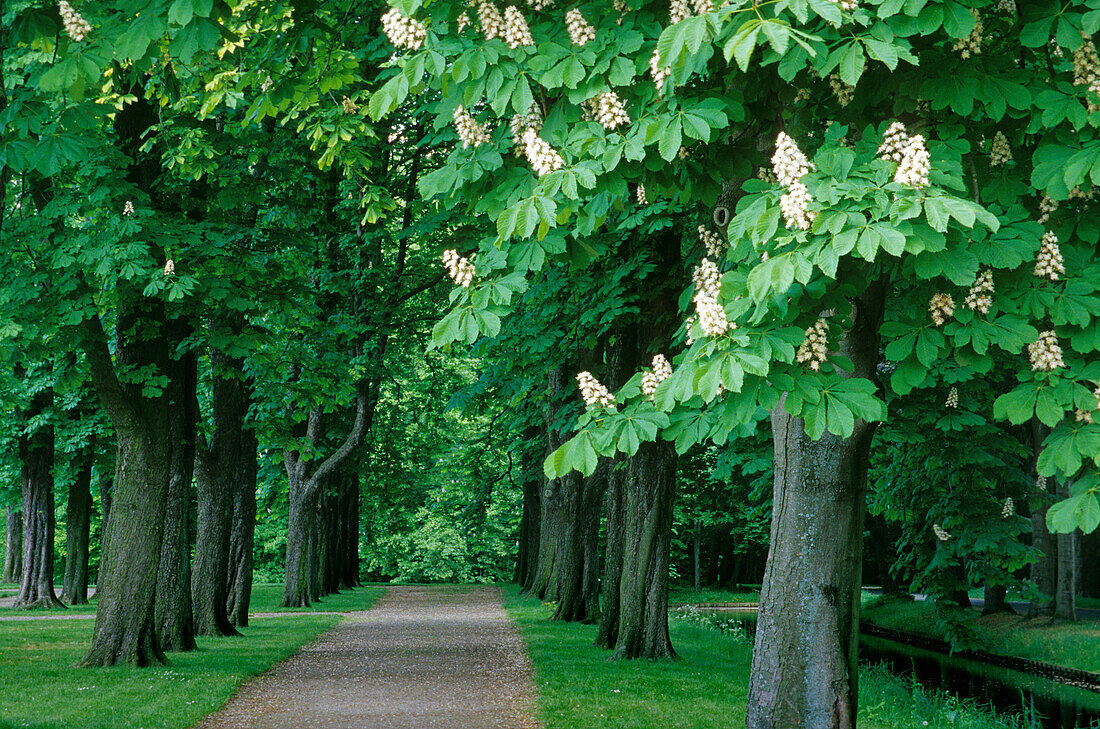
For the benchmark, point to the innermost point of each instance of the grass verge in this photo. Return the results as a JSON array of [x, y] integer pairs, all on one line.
[[42, 690], [1074, 645], [707, 689], [691, 596]]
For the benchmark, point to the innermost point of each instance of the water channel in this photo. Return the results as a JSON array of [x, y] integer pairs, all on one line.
[[1044, 704]]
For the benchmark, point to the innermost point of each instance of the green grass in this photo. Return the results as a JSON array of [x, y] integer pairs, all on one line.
[[267, 596], [687, 595], [1074, 645], [707, 689], [42, 690]]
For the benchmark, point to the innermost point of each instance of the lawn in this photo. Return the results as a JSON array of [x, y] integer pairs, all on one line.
[[691, 596], [1074, 645], [43, 691], [707, 689]]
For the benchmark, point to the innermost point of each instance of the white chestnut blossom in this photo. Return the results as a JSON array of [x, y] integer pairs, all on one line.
[[76, 26], [1045, 353], [793, 204], [815, 347], [788, 162], [971, 44], [707, 279], [169, 267], [848, 5], [472, 133], [702, 7], [941, 306], [1009, 509], [662, 370], [266, 84], [952, 398], [893, 142], [712, 317], [543, 158], [1049, 262], [460, 269], [915, 163], [657, 71], [488, 17], [593, 392], [403, 31], [520, 123], [980, 296], [609, 110], [1046, 206], [462, 21], [516, 33], [678, 10], [941, 533], [843, 91], [999, 151], [580, 30], [128, 208], [1086, 70], [640, 196], [710, 240]]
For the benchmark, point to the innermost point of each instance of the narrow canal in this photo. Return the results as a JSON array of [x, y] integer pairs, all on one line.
[[1040, 702]]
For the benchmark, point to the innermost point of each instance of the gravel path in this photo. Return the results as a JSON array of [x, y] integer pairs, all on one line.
[[63, 615], [421, 658]]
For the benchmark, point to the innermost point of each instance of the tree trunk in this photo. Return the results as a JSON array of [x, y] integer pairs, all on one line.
[[527, 555], [106, 488], [607, 636], [1065, 594], [37, 453], [696, 547], [578, 568], [13, 554], [995, 600], [544, 584], [242, 537], [316, 553], [647, 538], [349, 559], [296, 588], [78, 523], [173, 615], [1043, 570], [804, 668]]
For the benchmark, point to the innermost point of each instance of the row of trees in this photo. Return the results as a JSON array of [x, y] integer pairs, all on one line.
[[721, 186]]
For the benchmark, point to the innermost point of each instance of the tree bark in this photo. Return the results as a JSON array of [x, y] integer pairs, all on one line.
[[647, 538], [106, 488], [804, 668], [13, 554], [607, 635], [242, 537], [78, 523], [696, 548], [1065, 595], [995, 599], [36, 451], [1043, 570], [173, 616], [349, 558], [217, 470], [528, 548], [578, 568]]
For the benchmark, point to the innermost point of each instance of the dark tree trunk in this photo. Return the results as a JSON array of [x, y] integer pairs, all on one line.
[[1065, 597], [1043, 570], [37, 454], [696, 549], [995, 599], [316, 554], [647, 537], [173, 615], [579, 575], [217, 468], [608, 633], [349, 558], [78, 523], [242, 537], [527, 556], [804, 668], [13, 554], [1090, 564], [544, 584], [106, 488]]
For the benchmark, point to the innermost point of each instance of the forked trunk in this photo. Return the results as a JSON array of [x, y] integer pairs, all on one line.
[[37, 454], [647, 538], [296, 589], [804, 667], [78, 522]]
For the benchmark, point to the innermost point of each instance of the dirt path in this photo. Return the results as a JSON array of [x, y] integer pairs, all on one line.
[[421, 658]]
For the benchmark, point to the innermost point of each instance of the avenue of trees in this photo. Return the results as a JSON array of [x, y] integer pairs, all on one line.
[[432, 290]]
